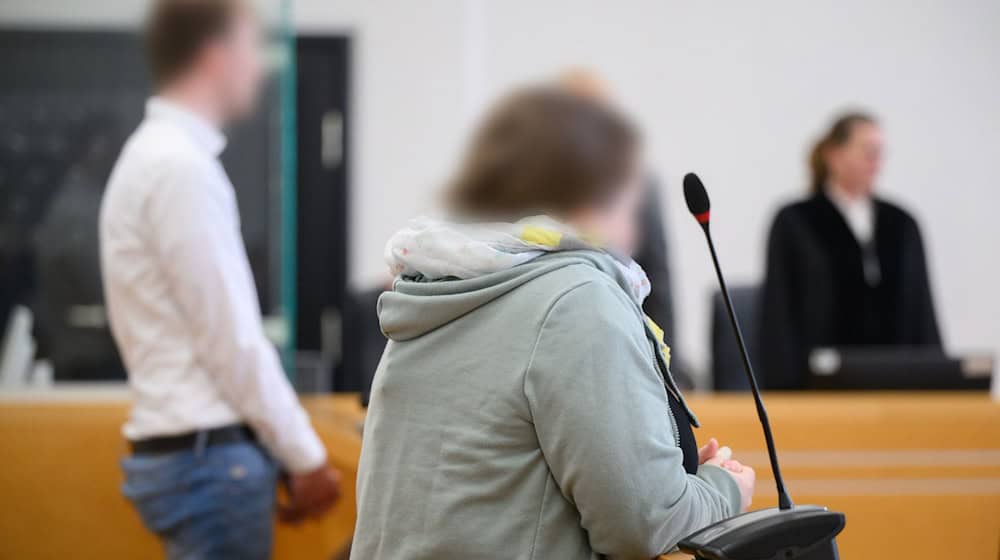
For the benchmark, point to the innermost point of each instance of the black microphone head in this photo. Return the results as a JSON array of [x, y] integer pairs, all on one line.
[[697, 198]]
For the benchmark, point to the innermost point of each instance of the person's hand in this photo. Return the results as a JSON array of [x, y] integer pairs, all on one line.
[[712, 454], [745, 478], [310, 495], [708, 451]]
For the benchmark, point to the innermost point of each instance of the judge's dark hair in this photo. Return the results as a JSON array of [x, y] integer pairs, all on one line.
[[838, 135], [543, 150], [176, 30]]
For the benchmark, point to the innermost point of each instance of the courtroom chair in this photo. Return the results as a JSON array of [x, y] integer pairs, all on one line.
[[363, 342], [727, 365]]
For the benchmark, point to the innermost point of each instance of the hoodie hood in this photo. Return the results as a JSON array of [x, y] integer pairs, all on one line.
[[446, 269], [441, 279], [417, 305]]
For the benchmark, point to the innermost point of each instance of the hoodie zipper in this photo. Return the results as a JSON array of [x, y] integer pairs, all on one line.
[[673, 424], [670, 412], [668, 379]]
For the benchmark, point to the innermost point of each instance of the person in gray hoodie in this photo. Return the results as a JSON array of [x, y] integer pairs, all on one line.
[[524, 406]]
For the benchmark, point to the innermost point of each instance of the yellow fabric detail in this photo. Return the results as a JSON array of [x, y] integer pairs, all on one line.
[[541, 236], [658, 332]]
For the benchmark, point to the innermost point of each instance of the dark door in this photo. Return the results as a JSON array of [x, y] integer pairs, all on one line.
[[323, 82]]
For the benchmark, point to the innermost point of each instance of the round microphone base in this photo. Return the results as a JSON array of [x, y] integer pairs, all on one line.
[[800, 533]]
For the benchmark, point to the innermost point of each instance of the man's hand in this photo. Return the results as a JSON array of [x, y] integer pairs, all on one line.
[[310, 495]]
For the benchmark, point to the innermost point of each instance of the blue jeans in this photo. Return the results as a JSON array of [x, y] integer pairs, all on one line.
[[214, 503]]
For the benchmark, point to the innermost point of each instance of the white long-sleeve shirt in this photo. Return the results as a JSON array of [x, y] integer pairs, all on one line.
[[181, 297]]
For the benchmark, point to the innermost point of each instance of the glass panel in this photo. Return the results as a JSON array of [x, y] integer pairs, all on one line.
[[287, 76]]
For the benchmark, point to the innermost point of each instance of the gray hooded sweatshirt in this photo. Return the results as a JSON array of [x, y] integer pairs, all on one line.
[[523, 414]]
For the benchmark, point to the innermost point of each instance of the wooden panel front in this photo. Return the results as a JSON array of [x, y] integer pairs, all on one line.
[[918, 475], [60, 483]]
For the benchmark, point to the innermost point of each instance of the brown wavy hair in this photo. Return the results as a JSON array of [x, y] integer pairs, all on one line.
[[838, 135], [542, 150]]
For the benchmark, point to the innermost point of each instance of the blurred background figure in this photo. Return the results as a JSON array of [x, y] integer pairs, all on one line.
[[845, 268], [652, 253], [72, 323], [214, 416]]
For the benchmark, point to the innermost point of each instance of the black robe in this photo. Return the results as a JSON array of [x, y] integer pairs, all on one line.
[[816, 293]]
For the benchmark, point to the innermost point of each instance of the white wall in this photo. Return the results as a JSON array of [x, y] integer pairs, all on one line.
[[737, 93], [733, 90]]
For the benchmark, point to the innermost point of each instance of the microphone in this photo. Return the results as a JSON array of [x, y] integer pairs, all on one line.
[[697, 202], [788, 532]]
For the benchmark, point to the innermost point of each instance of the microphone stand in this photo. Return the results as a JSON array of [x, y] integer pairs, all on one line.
[[787, 532], [784, 500]]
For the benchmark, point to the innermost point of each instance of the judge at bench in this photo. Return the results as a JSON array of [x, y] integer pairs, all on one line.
[[844, 267], [524, 407]]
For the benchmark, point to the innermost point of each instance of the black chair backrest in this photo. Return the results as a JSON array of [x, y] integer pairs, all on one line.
[[727, 367]]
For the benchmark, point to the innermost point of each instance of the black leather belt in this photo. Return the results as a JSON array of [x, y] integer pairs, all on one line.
[[235, 433]]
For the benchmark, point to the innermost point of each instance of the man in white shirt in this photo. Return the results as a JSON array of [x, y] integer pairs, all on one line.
[[213, 409]]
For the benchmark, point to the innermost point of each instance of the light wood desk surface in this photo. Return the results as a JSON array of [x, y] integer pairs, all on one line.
[[916, 473]]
